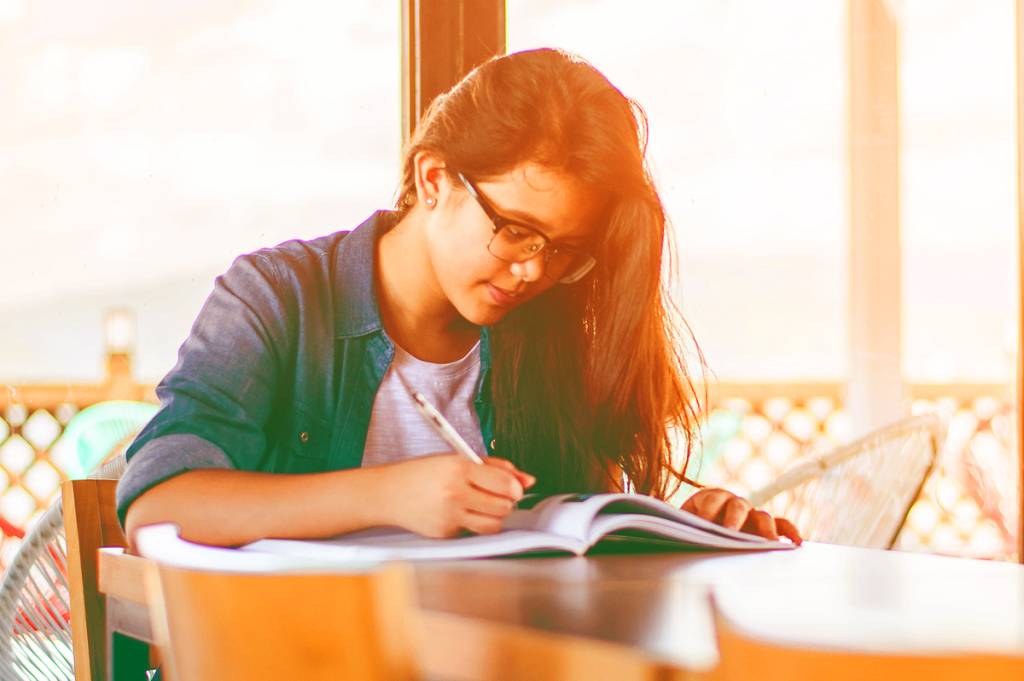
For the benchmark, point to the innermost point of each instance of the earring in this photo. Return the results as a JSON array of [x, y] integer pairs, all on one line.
[[430, 201]]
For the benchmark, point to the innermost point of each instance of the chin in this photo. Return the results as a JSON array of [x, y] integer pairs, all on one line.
[[484, 315], [480, 309]]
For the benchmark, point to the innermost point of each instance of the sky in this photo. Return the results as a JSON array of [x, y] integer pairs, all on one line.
[[144, 146]]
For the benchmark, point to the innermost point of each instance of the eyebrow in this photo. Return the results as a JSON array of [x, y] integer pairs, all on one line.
[[521, 216], [531, 221]]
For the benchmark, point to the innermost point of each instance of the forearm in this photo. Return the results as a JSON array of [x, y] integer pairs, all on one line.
[[230, 507]]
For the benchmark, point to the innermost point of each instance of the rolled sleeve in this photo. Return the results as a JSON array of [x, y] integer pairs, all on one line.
[[162, 459], [216, 401]]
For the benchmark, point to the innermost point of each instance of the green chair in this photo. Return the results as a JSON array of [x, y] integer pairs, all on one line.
[[105, 428]]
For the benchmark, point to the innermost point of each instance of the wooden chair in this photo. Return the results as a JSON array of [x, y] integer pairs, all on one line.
[[859, 494], [90, 522], [51, 615], [214, 625], [746, 656]]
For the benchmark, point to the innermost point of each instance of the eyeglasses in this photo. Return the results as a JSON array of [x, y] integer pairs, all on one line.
[[515, 242]]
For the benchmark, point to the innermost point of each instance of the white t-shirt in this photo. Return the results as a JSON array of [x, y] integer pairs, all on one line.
[[398, 432]]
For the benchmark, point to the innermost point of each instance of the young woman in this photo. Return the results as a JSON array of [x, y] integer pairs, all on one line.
[[517, 286]]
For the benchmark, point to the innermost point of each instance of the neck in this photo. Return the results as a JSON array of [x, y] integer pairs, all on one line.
[[415, 312]]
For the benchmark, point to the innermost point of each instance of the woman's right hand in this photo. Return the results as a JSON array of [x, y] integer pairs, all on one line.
[[442, 494]]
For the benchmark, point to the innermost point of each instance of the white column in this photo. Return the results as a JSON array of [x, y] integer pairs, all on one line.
[[1020, 273], [875, 392]]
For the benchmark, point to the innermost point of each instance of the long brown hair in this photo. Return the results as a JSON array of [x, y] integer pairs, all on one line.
[[587, 379]]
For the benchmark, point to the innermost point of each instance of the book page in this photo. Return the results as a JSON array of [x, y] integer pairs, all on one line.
[[576, 515], [394, 544], [605, 525], [550, 512], [645, 505], [570, 515], [358, 550], [163, 543]]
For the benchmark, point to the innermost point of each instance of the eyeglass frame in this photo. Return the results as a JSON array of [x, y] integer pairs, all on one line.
[[499, 222]]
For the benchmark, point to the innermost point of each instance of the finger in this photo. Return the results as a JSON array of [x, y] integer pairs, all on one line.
[[489, 504], [788, 530], [525, 479], [497, 481], [500, 463], [762, 524], [734, 513], [697, 498], [479, 523], [707, 503]]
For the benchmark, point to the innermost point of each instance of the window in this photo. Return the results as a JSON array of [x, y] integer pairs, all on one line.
[[147, 145], [747, 142]]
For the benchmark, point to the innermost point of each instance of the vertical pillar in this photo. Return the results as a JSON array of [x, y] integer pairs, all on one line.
[[119, 339], [875, 393], [1020, 274], [442, 40]]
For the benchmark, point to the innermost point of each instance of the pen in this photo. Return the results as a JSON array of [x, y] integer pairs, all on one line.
[[440, 424]]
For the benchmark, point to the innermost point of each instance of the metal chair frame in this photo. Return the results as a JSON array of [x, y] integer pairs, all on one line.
[[818, 466], [35, 630]]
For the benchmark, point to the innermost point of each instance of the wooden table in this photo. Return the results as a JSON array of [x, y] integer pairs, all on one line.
[[648, 616]]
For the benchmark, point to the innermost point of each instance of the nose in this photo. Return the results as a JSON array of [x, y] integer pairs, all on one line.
[[529, 270]]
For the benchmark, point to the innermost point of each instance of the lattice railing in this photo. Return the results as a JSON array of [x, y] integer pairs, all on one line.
[[34, 457], [31, 466], [968, 506]]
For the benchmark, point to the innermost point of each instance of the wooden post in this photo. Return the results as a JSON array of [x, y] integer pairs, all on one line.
[[119, 339], [442, 40], [119, 383], [1020, 274], [875, 393]]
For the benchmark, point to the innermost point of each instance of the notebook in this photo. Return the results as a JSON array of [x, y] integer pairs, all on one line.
[[565, 523]]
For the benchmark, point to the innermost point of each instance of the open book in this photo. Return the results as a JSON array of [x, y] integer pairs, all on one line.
[[569, 523]]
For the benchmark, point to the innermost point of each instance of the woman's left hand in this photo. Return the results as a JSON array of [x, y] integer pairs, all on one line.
[[728, 510]]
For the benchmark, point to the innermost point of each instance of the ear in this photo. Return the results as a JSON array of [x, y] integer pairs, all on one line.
[[431, 178]]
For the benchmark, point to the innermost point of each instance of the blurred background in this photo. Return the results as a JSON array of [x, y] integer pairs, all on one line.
[[143, 147]]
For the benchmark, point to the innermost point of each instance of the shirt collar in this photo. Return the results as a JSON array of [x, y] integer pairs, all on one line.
[[356, 310]]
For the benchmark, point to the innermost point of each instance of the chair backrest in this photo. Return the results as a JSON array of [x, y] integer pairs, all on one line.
[[52, 619], [859, 494], [102, 430], [90, 522], [35, 635], [224, 625], [743, 655]]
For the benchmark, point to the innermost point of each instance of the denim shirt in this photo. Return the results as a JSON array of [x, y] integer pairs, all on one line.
[[281, 367]]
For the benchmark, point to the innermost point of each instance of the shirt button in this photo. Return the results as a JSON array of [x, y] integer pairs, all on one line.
[[303, 437], [494, 445]]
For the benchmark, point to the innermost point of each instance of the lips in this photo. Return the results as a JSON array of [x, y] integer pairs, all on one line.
[[502, 297]]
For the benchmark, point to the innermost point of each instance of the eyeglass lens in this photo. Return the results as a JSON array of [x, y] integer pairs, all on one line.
[[514, 243]]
